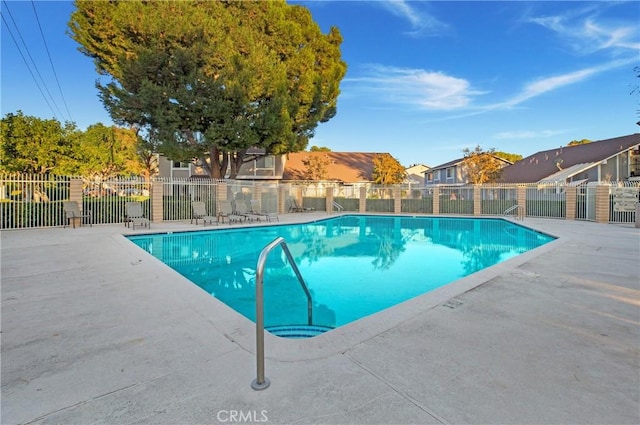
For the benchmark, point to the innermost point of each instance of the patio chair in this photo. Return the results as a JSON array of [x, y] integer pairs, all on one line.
[[135, 215], [199, 212], [254, 207], [72, 212], [243, 209], [295, 207], [225, 210]]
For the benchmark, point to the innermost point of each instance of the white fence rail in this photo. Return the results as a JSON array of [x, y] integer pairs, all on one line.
[[33, 201]]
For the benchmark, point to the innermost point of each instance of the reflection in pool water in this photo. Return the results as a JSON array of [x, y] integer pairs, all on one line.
[[354, 265]]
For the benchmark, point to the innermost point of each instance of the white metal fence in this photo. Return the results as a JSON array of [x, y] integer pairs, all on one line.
[[622, 198], [32, 201], [586, 203]]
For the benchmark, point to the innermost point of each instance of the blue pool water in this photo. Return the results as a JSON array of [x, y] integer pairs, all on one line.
[[354, 265]]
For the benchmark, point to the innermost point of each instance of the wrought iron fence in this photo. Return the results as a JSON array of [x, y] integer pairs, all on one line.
[[416, 199], [379, 199], [105, 200], [623, 198], [32, 201], [178, 194], [496, 199], [456, 200], [586, 202], [546, 200]]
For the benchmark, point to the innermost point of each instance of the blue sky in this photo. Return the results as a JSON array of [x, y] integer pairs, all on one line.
[[425, 80]]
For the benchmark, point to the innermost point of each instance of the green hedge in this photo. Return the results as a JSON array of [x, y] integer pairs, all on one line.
[[460, 206], [555, 209], [21, 215], [419, 206], [497, 207]]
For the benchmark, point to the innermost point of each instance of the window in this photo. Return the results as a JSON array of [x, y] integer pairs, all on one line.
[[261, 166], [450, 173], [181, 164], [429, 177], [266, 162]]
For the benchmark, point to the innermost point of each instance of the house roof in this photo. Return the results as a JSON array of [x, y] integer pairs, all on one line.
[[417, 167], [567, 173], [415, 173], [348, 167], [543, 164], [460, 161], [447, 164]]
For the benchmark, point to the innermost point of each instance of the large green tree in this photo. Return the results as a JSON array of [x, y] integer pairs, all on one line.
[[211, 79], [315, 148], [34, 145], [107, 151]]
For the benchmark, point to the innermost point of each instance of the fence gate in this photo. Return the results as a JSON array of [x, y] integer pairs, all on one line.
[[586, 203]]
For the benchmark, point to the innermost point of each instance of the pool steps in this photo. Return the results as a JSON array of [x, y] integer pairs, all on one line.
[[298, 331]]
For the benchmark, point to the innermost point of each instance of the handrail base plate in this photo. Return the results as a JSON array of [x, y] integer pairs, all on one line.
[[260, 387]]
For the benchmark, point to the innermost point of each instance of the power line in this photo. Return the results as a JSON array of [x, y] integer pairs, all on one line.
[[35, 80], [25, 48], [50, 61]]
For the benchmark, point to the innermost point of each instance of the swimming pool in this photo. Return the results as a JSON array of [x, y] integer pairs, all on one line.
[[354, 265]]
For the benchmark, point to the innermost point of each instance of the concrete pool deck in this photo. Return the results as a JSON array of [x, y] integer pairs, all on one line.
[[96, 331]]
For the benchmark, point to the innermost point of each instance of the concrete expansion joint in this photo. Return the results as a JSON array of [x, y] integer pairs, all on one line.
[[402, 394], [452, 303]]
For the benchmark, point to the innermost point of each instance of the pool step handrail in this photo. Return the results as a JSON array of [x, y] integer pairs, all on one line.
[[337, 206], [519, 213], [261, 382]]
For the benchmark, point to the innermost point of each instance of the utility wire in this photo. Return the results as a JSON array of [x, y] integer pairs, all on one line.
[[50, 61], [35, 80], [33, 63]]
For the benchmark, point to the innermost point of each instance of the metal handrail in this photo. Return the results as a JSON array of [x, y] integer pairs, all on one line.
[[520, 212], [338, 206], [261, 383]]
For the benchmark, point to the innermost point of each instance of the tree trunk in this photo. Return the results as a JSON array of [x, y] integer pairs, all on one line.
[[214, 166], [236, 160]]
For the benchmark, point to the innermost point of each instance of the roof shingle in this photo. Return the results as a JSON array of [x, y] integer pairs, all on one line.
[[348, 167], [542, 164]]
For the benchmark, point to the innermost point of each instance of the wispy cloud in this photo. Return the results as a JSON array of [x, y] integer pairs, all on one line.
[[549, 84], [586, 32], [422, 23], [526, 134], [424, 89]]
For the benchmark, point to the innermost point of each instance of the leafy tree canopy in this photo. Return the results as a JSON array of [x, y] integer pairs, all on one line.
[[387, 170], [210, 79], [316, 166], [579, 142], [481, 166], [511, 157], [34, 145], [315, 148], [106, 152]]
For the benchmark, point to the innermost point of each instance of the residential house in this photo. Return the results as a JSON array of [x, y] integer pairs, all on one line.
[[604, 160], [175, 169], [343, 167], [258, 167], [452, 172], [415, 173]]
